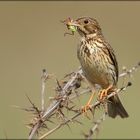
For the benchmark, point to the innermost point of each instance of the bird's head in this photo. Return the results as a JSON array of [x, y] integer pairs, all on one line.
[[85, 26]]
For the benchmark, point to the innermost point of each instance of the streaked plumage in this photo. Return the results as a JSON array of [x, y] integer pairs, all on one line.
[[98, 61]]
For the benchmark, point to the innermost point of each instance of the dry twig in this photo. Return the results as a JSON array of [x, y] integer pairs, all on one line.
[[65, 94]]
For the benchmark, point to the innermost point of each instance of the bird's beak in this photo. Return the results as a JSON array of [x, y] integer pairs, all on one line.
[[73, 23], [70, 22]]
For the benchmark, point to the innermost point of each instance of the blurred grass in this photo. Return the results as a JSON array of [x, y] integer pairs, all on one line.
[[32, 39]]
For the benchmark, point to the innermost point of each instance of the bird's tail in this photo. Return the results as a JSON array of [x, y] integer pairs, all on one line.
[[115, 108]]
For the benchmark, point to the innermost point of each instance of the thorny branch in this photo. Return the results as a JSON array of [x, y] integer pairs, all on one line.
[[66, 91], [97, 103]]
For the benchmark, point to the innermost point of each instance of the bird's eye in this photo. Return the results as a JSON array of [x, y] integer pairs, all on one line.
[[86, 21]]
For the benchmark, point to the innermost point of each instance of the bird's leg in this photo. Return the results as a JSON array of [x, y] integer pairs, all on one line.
[[88, 105], [103, 93]]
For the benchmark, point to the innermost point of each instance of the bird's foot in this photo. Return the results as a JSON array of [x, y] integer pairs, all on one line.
[[104, 93], [87, 107]]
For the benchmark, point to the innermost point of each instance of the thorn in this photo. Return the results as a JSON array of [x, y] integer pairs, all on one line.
[[45, 126], [29, 100], [33, 105], [69, 74], [69, 127], [79, 122], [58, 84], [51, 121]]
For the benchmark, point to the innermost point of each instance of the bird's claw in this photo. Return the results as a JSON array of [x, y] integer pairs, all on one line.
[[104, 93], [85, 108]]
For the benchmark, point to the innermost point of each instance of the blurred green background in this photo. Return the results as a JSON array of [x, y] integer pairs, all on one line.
[[32, 38]]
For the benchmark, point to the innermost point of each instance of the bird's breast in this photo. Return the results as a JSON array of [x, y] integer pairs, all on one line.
[[94, 63]]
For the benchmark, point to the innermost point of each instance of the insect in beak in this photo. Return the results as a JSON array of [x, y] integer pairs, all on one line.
[[71, 25]]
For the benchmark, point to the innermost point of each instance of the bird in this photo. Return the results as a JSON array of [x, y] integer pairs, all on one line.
[[98, 62]]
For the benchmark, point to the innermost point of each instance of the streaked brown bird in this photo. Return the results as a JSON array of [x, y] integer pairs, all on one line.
[[98, 61]]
